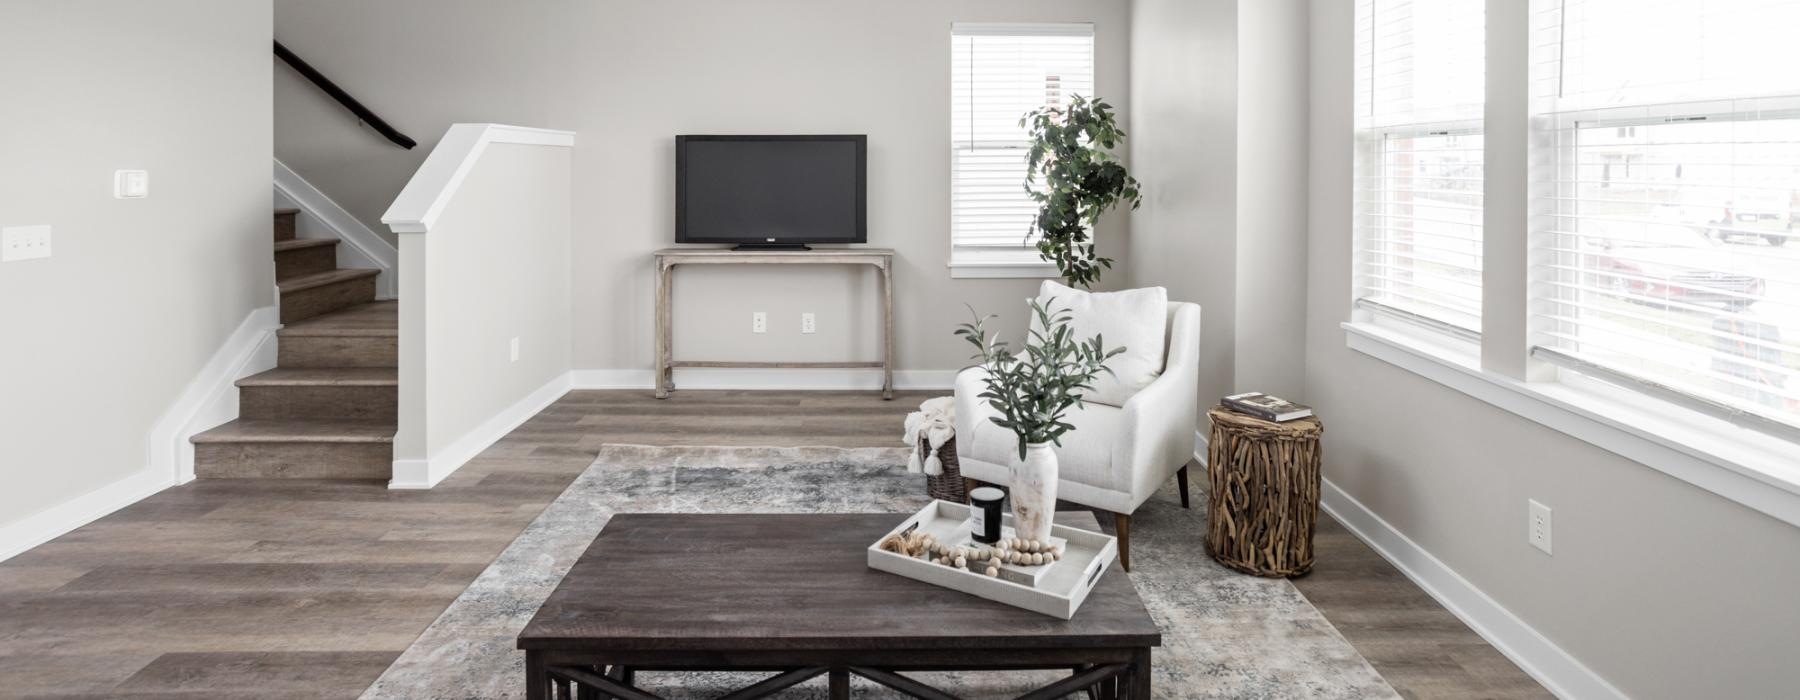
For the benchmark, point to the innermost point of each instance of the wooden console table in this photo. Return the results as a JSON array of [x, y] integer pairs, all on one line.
[[666, 260]]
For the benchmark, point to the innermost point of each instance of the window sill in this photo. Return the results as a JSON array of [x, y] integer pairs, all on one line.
[[1003, 270], [1755, 470]]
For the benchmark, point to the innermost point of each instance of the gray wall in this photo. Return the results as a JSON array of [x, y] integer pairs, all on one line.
[[1666, 590], [641, 73], [1184, 149], [101, 338]]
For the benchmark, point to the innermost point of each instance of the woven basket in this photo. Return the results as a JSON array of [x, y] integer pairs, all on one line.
[[1264, 498], [948, 486]]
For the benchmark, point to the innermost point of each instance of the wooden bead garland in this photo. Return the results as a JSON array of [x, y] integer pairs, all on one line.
[[1015, 551]]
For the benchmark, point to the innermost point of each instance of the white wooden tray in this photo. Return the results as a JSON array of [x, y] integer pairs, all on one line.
[[1056, 589]]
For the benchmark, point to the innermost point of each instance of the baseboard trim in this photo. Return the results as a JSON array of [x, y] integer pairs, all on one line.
[[211, 397], [361, 241], [1200, 449], [767, 379], [426, 473], [60, 519], [1559, 672]]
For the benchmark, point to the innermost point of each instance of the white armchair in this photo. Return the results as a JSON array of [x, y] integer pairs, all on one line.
[[1117, 456]]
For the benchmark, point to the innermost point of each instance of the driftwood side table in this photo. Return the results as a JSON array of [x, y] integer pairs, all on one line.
[[1264, 499]]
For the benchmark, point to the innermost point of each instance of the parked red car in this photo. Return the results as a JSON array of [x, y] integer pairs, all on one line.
[[1673, 263]]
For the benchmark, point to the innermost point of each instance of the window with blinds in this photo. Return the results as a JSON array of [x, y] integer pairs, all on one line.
[[1665, 188], [999, 72], [1420, 88]]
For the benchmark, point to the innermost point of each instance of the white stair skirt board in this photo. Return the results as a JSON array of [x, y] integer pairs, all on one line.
[[359, 245], [208, 400], [426, 473], [1558, 671], [768, 379]]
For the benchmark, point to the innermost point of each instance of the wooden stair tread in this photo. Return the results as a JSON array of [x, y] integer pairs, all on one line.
[[325, 376], [300, 284], [379, 318], [298, 431], [302, 243]]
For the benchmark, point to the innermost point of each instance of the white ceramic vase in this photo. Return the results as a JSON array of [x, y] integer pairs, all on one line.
[[1034, 492]]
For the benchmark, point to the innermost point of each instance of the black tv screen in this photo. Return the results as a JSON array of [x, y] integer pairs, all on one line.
[[752, 190]]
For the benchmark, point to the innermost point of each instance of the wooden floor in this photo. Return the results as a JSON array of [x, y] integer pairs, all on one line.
[[292, 589]]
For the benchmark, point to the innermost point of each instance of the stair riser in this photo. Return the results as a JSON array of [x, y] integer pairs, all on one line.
[[284, 226], [339, 351], [358, 403], [324, 299], [294, 460], [304, 261]]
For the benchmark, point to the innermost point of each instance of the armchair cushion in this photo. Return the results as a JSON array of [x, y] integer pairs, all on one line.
[[1135, 319]]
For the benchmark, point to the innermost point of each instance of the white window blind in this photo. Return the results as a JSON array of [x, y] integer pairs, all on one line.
[[1419, 98], [999, 72], [1665, 186]]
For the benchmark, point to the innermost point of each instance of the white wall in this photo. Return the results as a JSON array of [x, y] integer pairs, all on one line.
[[100, 339], [493, 267], [1665, 590], [1183, 149], [642, 73], [1271, 165]]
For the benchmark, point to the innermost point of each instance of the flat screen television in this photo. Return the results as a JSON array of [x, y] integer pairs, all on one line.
[[771, 191]]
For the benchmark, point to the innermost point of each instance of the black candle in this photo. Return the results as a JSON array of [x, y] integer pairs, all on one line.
[[985, 519]]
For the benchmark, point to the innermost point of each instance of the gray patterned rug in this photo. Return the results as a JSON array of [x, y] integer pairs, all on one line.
[[1225, 635]]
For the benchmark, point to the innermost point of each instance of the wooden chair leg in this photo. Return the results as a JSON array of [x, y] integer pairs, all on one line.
[[1122, 523], [1181, 481]]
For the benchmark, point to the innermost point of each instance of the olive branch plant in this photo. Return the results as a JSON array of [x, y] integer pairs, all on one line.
[[1033, 389], [1082, 179]]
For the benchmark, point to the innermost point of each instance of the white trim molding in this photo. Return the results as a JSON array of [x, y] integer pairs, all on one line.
[[361, 243], [434, 185], [767, 379], [1559, 672], [997, 270], [1754, 469], [426, 473], [60, 519], [211, 397]]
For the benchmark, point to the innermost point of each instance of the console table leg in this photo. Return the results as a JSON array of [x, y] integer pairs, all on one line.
[[664, 373], [887, 331]]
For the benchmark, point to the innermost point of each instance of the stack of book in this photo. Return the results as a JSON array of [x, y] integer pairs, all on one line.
[[1270, 408]]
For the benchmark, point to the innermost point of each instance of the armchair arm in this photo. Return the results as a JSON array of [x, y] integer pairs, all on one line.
[[970, 410], [1156, 430]]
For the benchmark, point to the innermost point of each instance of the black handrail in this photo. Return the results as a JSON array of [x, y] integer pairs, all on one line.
[[344, 98]]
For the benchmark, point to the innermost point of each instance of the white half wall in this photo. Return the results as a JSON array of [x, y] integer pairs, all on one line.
[[485, 321], [103, 338]]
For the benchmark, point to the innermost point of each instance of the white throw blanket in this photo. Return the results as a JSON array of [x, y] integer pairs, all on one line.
[[936, 421]]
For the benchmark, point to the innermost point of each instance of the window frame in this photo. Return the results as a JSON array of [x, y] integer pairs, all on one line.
[[1708, 449], [997, 259]]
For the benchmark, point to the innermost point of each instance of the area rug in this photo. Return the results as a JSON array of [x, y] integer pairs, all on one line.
[[1225, 635]]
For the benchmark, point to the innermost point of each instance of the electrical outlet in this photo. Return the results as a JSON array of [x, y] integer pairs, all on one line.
[[759, 322], [515, 350], [1539, 526], [808, 323], [24, 243], [131, 184]]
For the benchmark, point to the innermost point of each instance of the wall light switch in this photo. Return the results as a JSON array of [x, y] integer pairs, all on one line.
[[131, 184], [808, 323], [759, 322], [24, 243], [515, 350]]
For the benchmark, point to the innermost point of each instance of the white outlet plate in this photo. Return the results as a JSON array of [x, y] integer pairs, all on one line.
[[515, 350], [131, 184], [808, 323], [1538, 526], [759, 322], [24, 243]]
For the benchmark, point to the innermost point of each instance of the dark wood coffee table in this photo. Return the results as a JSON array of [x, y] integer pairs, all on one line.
[[792, 595]]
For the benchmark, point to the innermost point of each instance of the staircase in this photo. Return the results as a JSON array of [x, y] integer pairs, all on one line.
[[328, 409]]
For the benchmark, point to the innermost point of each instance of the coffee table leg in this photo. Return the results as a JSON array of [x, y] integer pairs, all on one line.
[[537, 682], [1138, 683], [840, 684]]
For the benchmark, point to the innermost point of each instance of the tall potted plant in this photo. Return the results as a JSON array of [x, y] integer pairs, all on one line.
[[1070, 153], [1031, 391]]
